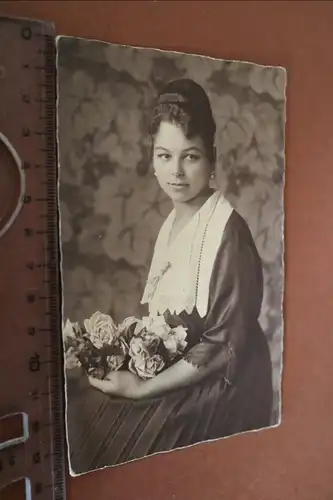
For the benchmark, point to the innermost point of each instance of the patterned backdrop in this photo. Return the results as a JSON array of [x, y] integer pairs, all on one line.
[[111, 207]]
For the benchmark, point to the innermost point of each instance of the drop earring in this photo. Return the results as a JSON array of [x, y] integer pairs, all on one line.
[[212, 183]]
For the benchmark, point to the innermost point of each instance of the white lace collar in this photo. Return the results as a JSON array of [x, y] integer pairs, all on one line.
[[180, 274]]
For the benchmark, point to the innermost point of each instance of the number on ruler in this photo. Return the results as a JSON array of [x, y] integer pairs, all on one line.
[[31, 331], [26, 132], [36, 458], [34, 362], [26, 33], [31, 297], [26, 165], [35, 426], [26, 98], [28, 232], [26, 199], [34, 395]]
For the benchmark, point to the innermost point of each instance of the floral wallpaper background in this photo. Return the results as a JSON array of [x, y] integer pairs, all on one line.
[[111, 207]]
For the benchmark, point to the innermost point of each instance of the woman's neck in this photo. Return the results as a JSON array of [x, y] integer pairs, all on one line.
[[189, 208]]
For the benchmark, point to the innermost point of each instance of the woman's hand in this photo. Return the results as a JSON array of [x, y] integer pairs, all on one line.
[[178, 376], [119, 383]]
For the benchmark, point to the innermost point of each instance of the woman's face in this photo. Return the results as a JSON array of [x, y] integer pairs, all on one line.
[[181, 164]]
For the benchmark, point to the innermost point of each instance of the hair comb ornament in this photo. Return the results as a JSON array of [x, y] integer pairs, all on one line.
[[172, 98]]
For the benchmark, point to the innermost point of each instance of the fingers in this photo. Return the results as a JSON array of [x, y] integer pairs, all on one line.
[[102, 385], [106, 385]]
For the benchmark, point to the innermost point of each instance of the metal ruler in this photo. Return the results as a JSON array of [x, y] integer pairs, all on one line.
[[31, 375]]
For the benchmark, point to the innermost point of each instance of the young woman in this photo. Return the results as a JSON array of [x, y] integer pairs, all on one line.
[[205, 273]]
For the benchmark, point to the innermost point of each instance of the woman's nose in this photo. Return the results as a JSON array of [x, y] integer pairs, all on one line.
[[178, 168]]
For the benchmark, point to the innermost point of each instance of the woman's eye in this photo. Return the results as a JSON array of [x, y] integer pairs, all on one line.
[[192, 157], [164, 156]]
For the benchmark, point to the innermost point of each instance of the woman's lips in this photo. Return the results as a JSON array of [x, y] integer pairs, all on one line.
[[177, 184]]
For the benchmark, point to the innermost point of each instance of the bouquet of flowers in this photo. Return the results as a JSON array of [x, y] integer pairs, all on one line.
[[144, 346]]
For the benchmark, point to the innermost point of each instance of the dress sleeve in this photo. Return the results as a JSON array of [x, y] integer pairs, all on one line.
[[235, 297]]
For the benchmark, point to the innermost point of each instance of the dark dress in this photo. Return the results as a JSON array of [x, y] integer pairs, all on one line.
[[237, 397]]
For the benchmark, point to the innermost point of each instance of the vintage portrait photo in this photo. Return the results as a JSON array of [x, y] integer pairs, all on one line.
[[171, 185]]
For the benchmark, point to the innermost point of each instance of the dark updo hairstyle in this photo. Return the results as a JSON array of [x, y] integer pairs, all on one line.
[[185, 103]]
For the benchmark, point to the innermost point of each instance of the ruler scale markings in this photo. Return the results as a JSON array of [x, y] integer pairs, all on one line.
[[42, 457]]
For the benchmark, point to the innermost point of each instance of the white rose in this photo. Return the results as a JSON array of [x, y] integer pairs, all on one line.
[[101, 329], [138, 348], [146, 368], [180, 333], [175, 342], [144, 346], [144, 324], [160, 327], [115, 362], [124, 327], [153, 324], [171, 346], [144, 360], [71, 360], [153, 366], [70, 329]]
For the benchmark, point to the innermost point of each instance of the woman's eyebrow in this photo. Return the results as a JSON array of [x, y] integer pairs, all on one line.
[[193, 148], [186, 150]]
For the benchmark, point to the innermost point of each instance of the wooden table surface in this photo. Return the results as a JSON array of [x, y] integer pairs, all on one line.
[[294, 461]]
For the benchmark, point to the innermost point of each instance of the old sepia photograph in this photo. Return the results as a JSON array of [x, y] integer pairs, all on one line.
[[171, 203]]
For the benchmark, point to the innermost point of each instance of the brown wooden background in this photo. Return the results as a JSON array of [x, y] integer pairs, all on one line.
[[294, 461]]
